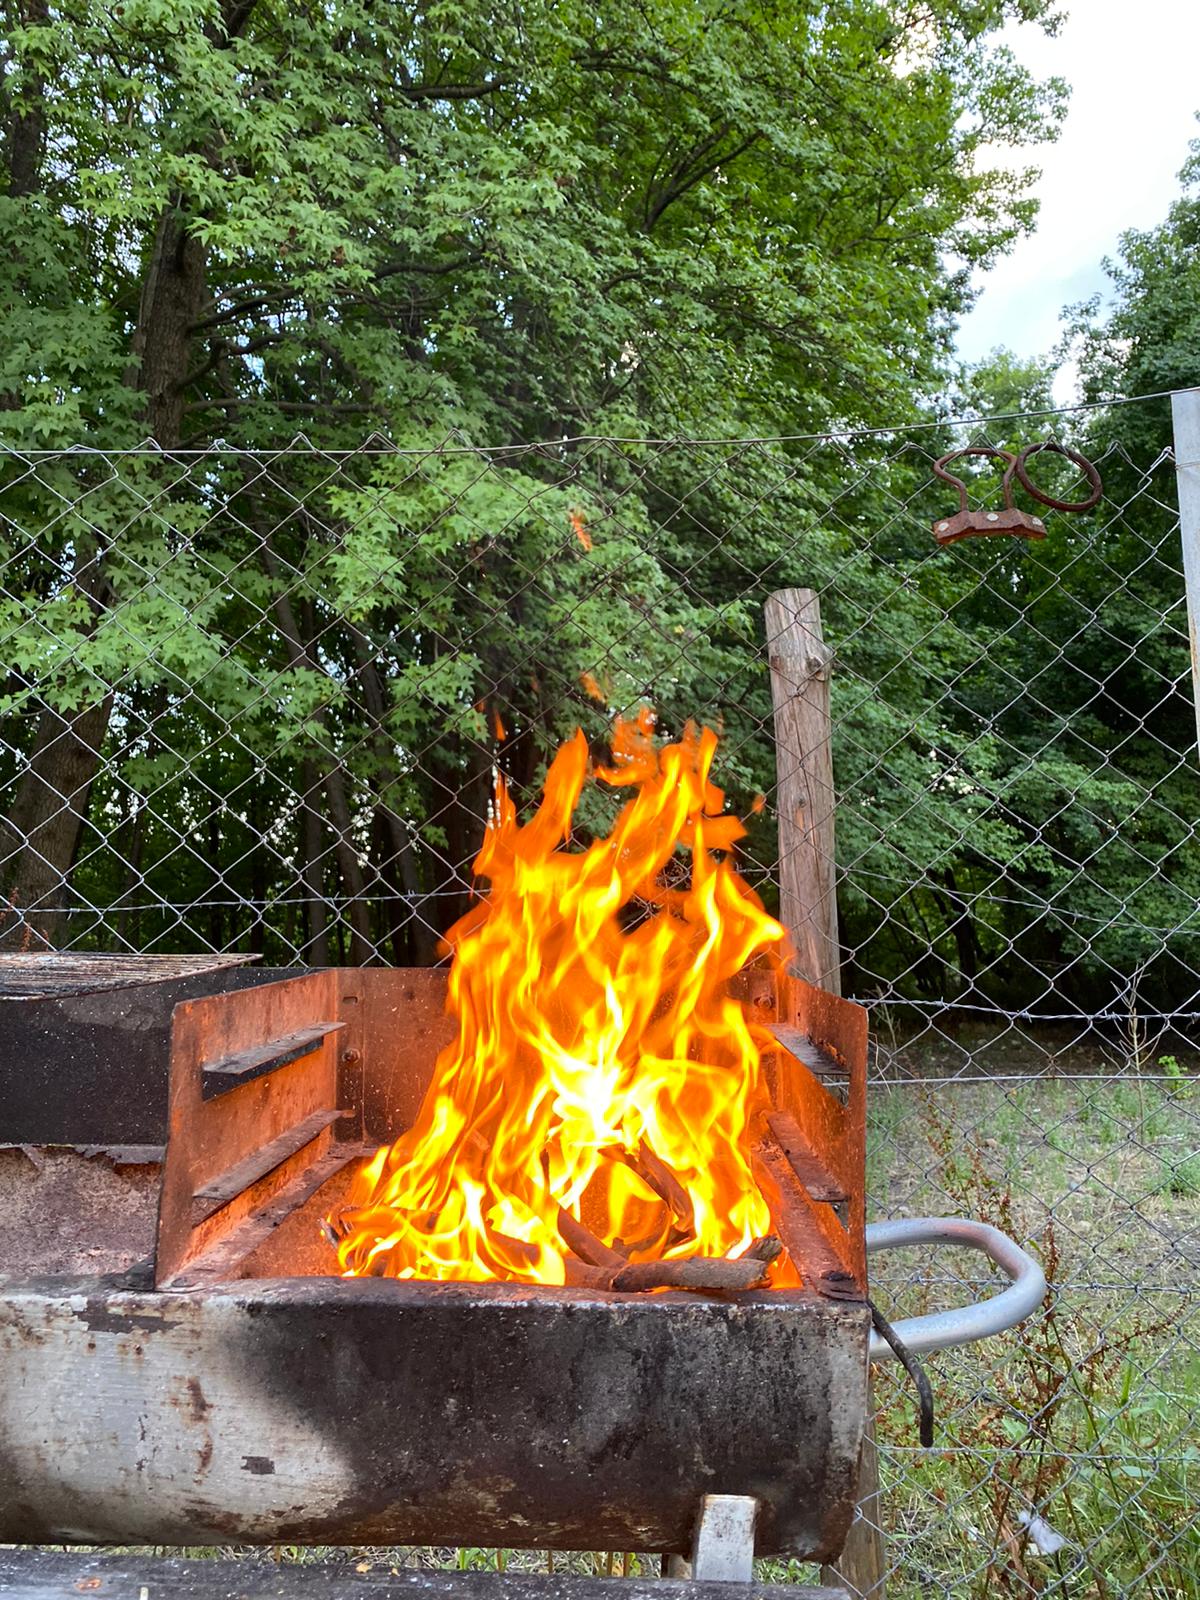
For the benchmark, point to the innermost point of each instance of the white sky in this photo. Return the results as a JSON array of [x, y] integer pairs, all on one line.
[[1134, 71]]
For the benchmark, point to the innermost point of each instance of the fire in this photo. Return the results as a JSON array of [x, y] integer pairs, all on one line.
[[602, 1069]]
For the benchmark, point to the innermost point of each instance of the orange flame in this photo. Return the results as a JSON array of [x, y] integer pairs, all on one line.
[[598, 1042], [579, 528]]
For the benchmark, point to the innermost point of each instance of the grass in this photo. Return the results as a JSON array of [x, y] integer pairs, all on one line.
[[1087, 1418], [1181, 1178]]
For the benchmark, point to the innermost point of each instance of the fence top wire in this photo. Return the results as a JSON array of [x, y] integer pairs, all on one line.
[[452, 442]]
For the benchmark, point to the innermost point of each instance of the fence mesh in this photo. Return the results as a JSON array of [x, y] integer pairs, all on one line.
[[254, 702]]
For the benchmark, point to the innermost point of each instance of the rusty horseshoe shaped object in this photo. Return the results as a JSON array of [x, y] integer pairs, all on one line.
[[967, 524]]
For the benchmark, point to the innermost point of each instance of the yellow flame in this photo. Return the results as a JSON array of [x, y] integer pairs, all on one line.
[[598, 1042]]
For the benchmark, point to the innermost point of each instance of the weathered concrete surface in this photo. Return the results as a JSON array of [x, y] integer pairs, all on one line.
[[327, 1410]]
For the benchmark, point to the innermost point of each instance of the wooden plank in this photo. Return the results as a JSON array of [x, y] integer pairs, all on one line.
[[49, 1575], [231, 1183], [800, 663], [218, 1077]]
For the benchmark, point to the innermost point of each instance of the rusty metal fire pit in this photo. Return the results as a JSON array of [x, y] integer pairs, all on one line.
[[180, 1365]]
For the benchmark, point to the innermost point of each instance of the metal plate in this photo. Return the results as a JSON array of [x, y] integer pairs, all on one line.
[[227, 1155], [89, 1066], [37, 975]]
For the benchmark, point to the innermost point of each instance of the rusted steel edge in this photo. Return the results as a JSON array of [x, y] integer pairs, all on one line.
[[821, 1256], [219, 1077], [804, 1161], [219, 1264], [218, 1193], [818, 1061]]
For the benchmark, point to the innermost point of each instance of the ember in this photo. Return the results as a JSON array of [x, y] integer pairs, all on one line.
[[599, 1105]]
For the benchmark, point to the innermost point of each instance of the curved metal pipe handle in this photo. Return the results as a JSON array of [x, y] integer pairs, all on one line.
[[939, 470], [942, 1329], [1089, 470]]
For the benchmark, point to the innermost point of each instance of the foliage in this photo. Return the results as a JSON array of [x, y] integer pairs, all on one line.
[[240, 217]]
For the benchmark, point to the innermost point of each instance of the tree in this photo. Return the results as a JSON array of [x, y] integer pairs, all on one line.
[[240, 218]]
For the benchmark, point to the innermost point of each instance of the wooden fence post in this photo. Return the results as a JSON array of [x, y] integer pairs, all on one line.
[[800, 663], [1185, 414]]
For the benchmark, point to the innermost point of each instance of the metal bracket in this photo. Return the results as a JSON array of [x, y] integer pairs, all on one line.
[[723, 1543], [723, 1547], [964, 523]]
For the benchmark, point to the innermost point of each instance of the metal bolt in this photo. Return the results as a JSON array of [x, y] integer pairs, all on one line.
[[992, 516], [942, 526], [351, 1057]]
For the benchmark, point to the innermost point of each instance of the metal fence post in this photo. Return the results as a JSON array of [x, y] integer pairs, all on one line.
[[799, 660], [1185, 414]]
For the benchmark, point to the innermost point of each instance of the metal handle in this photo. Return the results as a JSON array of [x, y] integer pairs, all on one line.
[[942, 1329]]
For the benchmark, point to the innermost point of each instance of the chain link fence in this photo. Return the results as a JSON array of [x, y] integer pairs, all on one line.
[[254, 701]]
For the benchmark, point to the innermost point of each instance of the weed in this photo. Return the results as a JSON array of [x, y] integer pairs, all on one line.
[[1180, 1178], [1070, 1431]]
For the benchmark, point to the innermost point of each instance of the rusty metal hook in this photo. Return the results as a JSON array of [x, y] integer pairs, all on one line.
[[966, 524], [1090, 472]]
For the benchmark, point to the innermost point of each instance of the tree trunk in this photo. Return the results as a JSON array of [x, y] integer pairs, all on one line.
[[25, 133], [360, 950], [131, 847], [464, 818], [172, 300], [956, 909], [316, 949], [41, 833], [333, 776], [402, 866]]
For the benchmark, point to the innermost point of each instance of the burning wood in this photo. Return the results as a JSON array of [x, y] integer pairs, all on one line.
[[717, 1274], [582, 1242], [705, 1274], [665, 1184], [600, 1070]]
